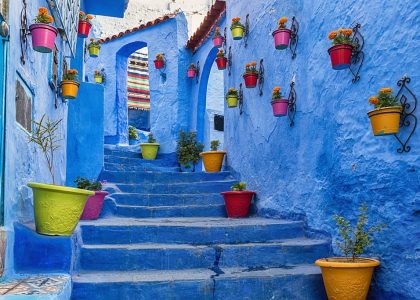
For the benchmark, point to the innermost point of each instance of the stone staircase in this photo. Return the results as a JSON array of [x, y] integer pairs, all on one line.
[[165, 235]]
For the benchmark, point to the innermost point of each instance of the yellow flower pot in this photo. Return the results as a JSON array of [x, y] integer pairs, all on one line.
[[237, 32], [385, 120], [347, 280], [69, 89], [149, 150], [94, 51], [98, 79], [213, 160], [232, 101]]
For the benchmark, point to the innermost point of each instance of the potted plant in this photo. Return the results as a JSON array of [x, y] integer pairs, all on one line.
[[94, 48], [237, 29], [70, 84], [43, 34], [213, 159], [385, 118], [192, 71], [188, 150], [99, 76], [251, 75], [341, 51], [282, 35], [160, 61], [57, 209], [238, 201], [150, 149], [84, 24], [278, 103], [349, 277], [133, 136], [95, 202], [221, 60], [217, 38], [232, 97]]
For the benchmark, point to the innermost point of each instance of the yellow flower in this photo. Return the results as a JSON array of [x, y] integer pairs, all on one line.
[[332, 35], [283, 20], [385, 90], [373, 100]]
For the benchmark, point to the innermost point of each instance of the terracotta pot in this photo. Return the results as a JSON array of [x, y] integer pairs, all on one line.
[[93, 206], [281, 38], [43, 37], [221, 63], [385, 120], [238, 203], [213, 160], [280, 107], [84, 29], [251, 80], [340, 56], [218, 41], [159, 64], [69, 89]]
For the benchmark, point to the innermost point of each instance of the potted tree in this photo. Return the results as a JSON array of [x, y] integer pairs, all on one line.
[[278, 103], [213, 159], [385, 118], [150, 149], [94, 203], [57, 209], [43, 34], [232, 97], [99, 76], [217, 38], [237, 28], [341, 51], [192, 71], [251, 75], [188, 150], [84, 24], [133, 135], [282, 35], [160, 61], [94, 48], [221, 60], [238, 201], [349, 277], [70, 84]]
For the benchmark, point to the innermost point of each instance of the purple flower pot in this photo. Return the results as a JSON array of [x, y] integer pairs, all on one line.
[[281, 38], [218, 41], [280, 107], [93, 206], [43, 37]]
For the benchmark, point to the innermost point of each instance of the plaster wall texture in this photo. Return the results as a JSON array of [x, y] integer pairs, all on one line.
[[330, 162]]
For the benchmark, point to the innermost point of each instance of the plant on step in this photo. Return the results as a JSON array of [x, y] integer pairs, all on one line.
[[70, 84], [151, 139], [43, 33], [94, 203], [150, 149], [213, 159], [188, 149], [214, 145], [86, 184], [132, 133], [278, 103], [385, 118], [342, 49], [238, 200], [241, 186]]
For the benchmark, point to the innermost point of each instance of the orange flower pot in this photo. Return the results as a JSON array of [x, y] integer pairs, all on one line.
[[213, 160], [69, 89], [385, 120]]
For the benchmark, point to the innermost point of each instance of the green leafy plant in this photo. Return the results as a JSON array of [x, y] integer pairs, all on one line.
[[151, 139], [86, 184], [232, 92], [355, 240], [45, 135], [385, 98], [217, 32], [241, 186], [43, 17], [251, 68], [220, 54], [192, 67], [132, 133], [71, 75], [276, 93], [94, 44], [188, 149], [214, 145]]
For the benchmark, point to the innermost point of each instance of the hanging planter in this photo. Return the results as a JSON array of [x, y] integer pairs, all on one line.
[[70, 85], [43, 34], [99, 76], [95, 202], [192, 71], [150, 149], [238, 201], [213, 159], [159, 61], [232, 97], [188, 150], [385, 118], [342, 50], [94, 48], [282, 35], [217, 38], [237, 29], [221, 60], [251, 75], [278, 103], [84, 25]]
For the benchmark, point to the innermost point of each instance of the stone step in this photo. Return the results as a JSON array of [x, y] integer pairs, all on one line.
[[170, 211], [136, 154], [167, 199], [162, 162], [175, 257], [196, 231], [303, 282], [138, 168]]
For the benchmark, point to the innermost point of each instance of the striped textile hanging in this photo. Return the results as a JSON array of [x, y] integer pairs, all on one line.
[[138, 81]]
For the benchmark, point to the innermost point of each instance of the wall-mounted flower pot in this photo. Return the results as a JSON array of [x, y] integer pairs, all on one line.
[[385, 120], [159, 64], [99, 79], [237, 32], [279, 107], [281, 38], [188, 168], [57, 209], [213, 160], [221, 63], [69, 89], [93, 206], [84, 29], [218, 41], [232, 101], [340, 56], [344, 279], [43, 37], [238, 203], [149, 150], [94, 51], [251, 80], [191, 73]]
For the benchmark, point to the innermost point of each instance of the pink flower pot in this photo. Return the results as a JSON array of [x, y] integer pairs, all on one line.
[[43, 37], [93, 206], [218, 41], [280, 107], [191, 73], [281, 38]]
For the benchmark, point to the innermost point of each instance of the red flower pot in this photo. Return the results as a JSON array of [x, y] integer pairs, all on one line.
[[251, 80], [191, 73], [238, 203], [93, 206], [84, 28], [159, 64], [218, 41], [221, 63], [340, 56]]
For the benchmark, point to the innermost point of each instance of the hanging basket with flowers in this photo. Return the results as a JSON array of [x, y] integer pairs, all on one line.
[[99, 76], [94, 48], [160, 61], [251, 75], [70, 84], [278, 103], [385, 118], [282, 35], [342, 48], [237, 29], [221, 60], [232, 97], [84, 24], [192, 71], [217, 38], [43, 34]]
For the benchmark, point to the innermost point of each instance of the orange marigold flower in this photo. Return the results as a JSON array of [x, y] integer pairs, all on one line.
[[43, 10], [283, 20], [348, 32], [341, 30], [373, 100], [385, 90], [82, 13], [217, 28], [90, 17], [92, 39], [254, 63], [50, 19], [332, 35]]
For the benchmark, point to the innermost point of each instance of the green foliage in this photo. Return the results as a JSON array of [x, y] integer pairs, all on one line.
[[151, 139], [357, 239], [214, 145], [45, 135], [241, 186], [86, 184], [132, 133], [232, 92], [188, 149]]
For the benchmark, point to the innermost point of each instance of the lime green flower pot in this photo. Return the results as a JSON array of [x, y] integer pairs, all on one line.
[[57, 209], [149, 150], [94, 51]]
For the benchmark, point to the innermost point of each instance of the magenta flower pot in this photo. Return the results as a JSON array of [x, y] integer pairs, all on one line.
[[280, 107], [93, 206], [43, 37], [191, 73], [281, 38], [218, 41]]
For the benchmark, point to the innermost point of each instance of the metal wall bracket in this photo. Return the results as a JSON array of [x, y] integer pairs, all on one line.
[[241, 99], [229, 61], [408, 118], [224, 45], [246, 31], [291, 108], [358, 56], [261, 77], [294, 38], [24, 32], [197, 75]]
